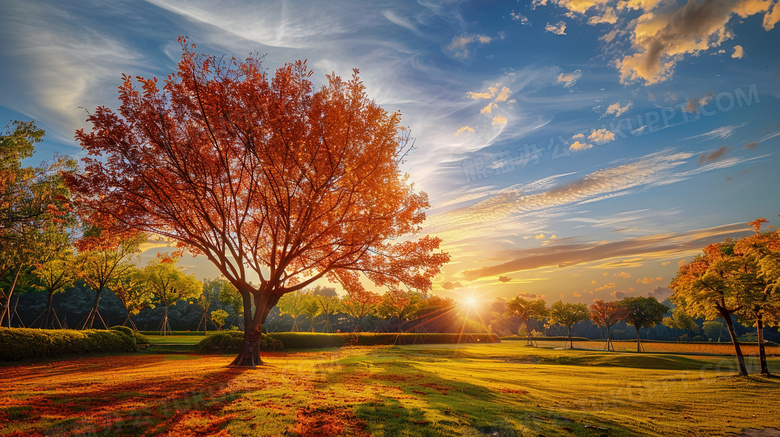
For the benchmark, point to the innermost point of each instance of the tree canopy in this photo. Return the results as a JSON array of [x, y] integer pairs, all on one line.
[[265, 176]]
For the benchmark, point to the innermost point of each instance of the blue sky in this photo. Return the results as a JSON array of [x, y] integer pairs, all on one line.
[[571, 149]]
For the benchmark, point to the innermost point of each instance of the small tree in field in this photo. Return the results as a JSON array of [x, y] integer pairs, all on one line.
[[359, 305], [527, 310], [680, 320], [606, 314], [643, 312], [296, 304], [568, 315], [267, 177], [170, 285], [134, 291], [104, 256], [218, 318]]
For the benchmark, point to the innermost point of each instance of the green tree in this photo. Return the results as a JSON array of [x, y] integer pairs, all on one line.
[[31, 199], [680, 320], [131, 288], [230, 297], [212, 289], [712, 330], [104, 256], [527, 310], [55, 275], [568, 315], [296, 304], [643, 312], [218, 318], [327, 304], [170, 285]]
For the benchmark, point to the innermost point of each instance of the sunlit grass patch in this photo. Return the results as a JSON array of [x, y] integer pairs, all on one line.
[[500, 389]]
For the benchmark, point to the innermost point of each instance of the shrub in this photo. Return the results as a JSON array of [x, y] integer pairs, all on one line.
[[22, 343], [224, 342], [699, 338]]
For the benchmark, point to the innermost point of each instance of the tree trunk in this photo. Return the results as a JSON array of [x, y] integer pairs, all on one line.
[[638, 340], [726, 315], [264, 301], [761, 351], [7, 306], [93, 312], [528, 342], [165, 327], [609, 341], [48, 309], [571, 345]]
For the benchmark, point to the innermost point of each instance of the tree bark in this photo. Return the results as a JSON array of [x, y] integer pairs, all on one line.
[[638, 340], [48, 309], [726, 315], [264, 300], [528, 342], [7, 306], [761, 350], [93, 312], [609, 341], [571, 345]]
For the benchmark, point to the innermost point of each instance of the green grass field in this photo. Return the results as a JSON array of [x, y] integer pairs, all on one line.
[[502, 389]]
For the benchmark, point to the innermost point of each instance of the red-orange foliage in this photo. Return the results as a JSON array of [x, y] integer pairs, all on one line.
[[264, 176], [606, 314]]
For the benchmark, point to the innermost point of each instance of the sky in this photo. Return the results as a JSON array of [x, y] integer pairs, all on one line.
[[571, 149]]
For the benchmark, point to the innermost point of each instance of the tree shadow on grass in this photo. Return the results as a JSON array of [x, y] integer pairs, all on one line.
[[147, 405]]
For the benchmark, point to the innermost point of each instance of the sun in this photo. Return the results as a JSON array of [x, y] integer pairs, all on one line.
[[470, 302]]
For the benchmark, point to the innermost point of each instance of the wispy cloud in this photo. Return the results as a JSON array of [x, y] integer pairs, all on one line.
[[658, 246]]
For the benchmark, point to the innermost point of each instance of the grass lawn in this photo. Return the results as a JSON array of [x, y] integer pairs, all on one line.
[[502, 389], [175, 339]]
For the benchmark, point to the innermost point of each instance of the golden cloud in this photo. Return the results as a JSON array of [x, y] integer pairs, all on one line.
[[464, 129], [498, 120], [503, 95], [649, 280], [601, 136], [488, 109], [665, 246], [739, 52], [558, 28], [577, 146], [617, 110]]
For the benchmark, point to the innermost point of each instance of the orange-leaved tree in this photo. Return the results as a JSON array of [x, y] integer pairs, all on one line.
[[708, 287], [267, 177], [606, 314]]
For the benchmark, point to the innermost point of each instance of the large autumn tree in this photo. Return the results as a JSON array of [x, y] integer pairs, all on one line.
[[267, 177], [707, 287]]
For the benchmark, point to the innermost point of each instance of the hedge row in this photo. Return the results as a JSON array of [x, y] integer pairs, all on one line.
[[22, 343], [307, 340], [518, 337], [233, 341]]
